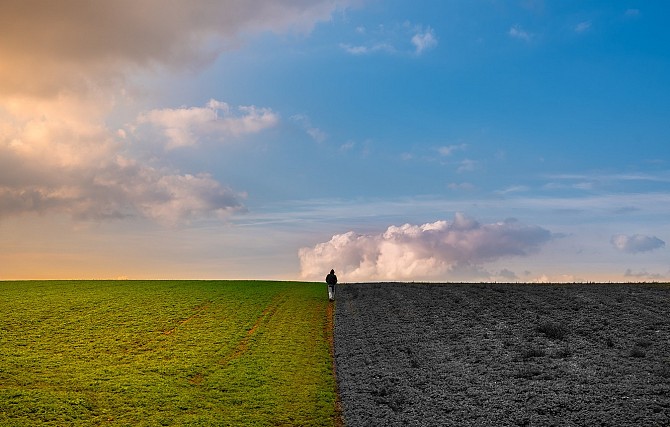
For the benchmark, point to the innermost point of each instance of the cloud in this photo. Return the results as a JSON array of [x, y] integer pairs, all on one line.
[[315, 133], [583, 27], [403, 39], [513, 189], [506, 274], [119, 189], [67, 161], [517, 32], [365, 50], [636, 243], [67, 67], [467, 165], [432, 251], [643, 275], [464, 186], [424, 40], [185, 126], [84, 43], [450, 149], [347, 146], [174, 199]]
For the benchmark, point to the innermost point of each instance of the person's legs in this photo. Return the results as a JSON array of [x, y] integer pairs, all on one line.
[[331, 292]]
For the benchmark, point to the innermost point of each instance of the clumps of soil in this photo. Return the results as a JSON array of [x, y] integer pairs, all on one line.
[[503, 354], [553, 330]]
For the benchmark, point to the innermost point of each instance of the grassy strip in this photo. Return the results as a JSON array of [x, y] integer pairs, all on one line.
[[165, 353]]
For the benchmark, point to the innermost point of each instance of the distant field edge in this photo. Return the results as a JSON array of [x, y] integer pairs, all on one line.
[[444, 283]]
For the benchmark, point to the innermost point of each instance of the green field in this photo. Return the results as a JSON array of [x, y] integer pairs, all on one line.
[[145, 353]]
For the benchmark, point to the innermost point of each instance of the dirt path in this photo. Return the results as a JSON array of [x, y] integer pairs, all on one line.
[[503, 355]]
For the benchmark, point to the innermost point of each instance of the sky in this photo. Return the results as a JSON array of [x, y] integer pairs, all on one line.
[[438, 140]]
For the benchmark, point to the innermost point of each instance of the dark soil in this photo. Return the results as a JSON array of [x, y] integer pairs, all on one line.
[[503, 354]]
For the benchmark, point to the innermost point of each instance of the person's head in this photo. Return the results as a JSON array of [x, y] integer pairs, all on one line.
[[332, 271]]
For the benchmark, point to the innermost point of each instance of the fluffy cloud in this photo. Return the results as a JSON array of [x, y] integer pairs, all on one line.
[[65, 68], [185, 126], [67, 160], [421, 252], [80, 43], [636, 243]]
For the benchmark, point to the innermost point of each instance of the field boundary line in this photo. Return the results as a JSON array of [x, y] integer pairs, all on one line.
[[338, 419]]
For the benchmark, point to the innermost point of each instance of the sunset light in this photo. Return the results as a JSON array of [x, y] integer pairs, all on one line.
[[521, 141]]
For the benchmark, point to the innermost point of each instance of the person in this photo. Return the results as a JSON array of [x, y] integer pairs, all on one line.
[[331, 279]]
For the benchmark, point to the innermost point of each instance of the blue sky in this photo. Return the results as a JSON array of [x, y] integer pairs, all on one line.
[[440, 140]]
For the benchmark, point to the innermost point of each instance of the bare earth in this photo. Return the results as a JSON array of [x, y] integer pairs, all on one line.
[[503, 354]]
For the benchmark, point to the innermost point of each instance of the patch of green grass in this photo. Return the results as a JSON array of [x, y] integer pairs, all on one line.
[[165, 353]]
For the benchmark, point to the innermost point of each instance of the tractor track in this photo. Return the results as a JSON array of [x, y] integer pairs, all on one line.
[[243, 345], [198, 311]]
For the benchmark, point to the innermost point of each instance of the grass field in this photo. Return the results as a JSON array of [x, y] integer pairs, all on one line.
[[165, 353]]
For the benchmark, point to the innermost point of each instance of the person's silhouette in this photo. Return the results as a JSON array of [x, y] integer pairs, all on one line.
[[331, 279]]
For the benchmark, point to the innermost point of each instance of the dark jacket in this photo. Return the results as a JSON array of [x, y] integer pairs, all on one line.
[[331, 279]]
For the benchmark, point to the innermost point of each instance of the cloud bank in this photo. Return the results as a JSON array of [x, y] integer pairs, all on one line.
[[67, 65], [68, 161], [430, 251], [636, 243], [80, 43]]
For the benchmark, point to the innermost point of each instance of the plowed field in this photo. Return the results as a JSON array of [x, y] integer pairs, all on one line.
[[503, 355]]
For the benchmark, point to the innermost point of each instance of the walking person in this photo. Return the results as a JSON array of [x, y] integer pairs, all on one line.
[[331, 279]]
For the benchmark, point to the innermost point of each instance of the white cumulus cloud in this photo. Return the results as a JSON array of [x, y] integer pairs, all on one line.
[[421, 252], [636, 243]]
